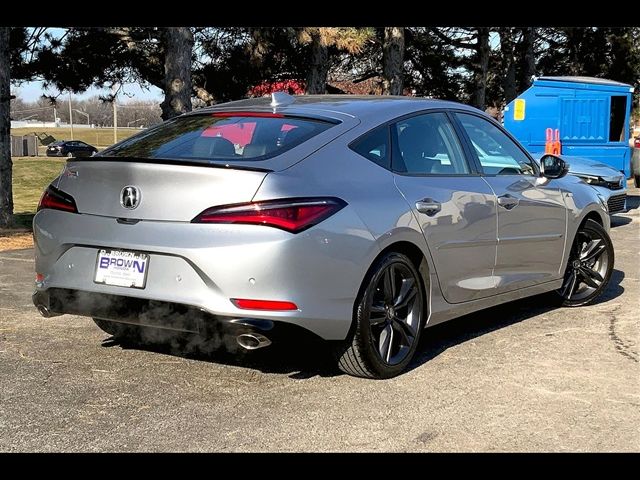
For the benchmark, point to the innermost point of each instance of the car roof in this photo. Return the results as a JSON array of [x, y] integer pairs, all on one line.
[[364, 107]]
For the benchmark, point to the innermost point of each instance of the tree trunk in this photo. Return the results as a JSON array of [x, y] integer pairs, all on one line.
[[6, 193], [529, 57], [508, 63], [317, 77], [393, 61], [481, 68], [574, 38], [177, 71]]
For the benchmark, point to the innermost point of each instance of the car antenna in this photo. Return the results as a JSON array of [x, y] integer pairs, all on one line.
[[281, 99]]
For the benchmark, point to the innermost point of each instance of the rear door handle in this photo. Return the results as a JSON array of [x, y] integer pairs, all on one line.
[[428, 206], [508, 201]]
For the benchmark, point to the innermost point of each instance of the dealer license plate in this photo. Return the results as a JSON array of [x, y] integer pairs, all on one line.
[[122, 268]]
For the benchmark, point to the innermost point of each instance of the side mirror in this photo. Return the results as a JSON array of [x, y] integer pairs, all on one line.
[[553, 166]]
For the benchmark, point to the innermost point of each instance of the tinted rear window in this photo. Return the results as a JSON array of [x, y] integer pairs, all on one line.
[[221, 136], [375, 146]]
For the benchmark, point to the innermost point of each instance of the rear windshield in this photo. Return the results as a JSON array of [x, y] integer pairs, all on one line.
[[220, 136]]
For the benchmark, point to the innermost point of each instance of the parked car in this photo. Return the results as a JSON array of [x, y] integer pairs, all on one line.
[[70, 148], [609, 182], [360, 219], [635, 162]]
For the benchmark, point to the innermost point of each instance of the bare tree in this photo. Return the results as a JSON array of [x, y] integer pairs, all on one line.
[[177, 71], [393, 61], [6, 193]]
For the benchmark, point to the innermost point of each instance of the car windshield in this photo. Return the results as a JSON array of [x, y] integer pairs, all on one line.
[[220, 137]]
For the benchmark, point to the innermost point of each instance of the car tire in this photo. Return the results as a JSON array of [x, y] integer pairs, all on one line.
[[388, 320], [589, 266], [636, 181], [70, 155]]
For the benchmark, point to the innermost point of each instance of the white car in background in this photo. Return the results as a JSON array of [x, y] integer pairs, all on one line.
[[609, 182]]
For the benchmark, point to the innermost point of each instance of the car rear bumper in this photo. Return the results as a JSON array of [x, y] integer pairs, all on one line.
[[158, 314], [204, 266]]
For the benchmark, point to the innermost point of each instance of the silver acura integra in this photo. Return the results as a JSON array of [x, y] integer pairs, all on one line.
[[360, 219]]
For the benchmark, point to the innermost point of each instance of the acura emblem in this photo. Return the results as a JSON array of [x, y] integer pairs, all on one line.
[[130, 197]]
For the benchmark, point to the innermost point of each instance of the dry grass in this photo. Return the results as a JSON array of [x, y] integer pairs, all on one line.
[[98, 137], [30, 177], [16, 241]]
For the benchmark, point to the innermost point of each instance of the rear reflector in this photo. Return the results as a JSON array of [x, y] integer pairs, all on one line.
[[247, 304], [55, 199], [293, 215]]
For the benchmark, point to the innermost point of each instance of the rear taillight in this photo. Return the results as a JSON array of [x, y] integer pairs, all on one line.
[[248, 114], [293, 215], [636, 143], [55, 199]]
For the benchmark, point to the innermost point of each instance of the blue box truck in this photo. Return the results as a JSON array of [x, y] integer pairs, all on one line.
[[592, 115]]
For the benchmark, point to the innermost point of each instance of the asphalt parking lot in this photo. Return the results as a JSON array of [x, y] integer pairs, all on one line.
[[519, 377]]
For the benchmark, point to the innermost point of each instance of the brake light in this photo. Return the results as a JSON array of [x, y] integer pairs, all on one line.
[[247, 304], [55, 199], [248, 114], [293, 215], [637, 142]]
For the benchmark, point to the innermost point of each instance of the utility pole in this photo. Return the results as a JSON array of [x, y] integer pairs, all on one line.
[[115, 121], [55, 117], [70, 115]]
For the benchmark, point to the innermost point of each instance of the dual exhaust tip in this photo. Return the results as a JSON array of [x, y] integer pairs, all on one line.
[[252, 341], [248, 341]]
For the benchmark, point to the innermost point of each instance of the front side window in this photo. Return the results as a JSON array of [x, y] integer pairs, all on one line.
[[219, 137], [427, 145], [498, 154]]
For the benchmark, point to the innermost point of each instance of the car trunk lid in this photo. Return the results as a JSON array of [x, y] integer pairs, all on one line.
[[163, 192]]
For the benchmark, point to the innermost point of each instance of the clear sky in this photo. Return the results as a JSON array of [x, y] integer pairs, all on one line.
[[30, 91]]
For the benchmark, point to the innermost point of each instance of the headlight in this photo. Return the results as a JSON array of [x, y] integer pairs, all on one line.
[[592, 180]]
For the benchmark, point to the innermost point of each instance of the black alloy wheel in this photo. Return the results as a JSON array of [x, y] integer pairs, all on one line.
[[589, 265], [388, 320]]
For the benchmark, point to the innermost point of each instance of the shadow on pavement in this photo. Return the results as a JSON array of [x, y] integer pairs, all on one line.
[[304, 358], [454, 332], [301, 358]]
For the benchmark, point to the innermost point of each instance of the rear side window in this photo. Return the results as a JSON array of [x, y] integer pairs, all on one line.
[[428, 145], [375, 146], [220, 136]]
